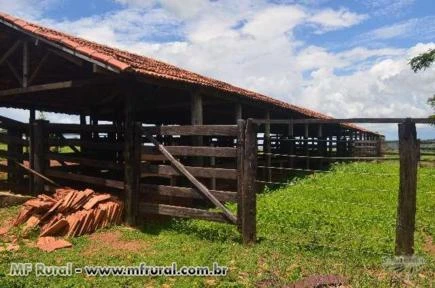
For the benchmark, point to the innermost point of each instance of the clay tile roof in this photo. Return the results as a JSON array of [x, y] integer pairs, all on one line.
[[147, 67]]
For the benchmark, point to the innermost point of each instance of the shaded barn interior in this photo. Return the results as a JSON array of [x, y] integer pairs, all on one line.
[[112, 90]]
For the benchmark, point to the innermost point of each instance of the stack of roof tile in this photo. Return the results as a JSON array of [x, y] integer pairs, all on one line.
[[70, 213]]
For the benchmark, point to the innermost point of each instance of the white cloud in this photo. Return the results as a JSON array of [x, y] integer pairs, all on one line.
[[182, 9], [329, 19], [274, 21], [26, 8], [251, 44]]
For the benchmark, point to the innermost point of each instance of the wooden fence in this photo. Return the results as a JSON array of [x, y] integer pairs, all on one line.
[[14, 147], [183, 171], [178, 171]]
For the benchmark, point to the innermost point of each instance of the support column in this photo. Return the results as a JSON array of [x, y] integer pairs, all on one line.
[[239, 112], [132, 153], [31, 149], [306, 136], [320, 144], [25, 64], [291, 142], [196, 115], [15, 153], [40, 149], [267, 146]]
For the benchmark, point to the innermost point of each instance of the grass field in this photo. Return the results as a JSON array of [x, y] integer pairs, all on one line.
[[333, 223]]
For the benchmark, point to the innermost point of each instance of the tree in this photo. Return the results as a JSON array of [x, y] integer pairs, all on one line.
[[422, 62]]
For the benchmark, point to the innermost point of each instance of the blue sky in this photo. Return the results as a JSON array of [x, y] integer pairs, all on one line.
[[342, 58]]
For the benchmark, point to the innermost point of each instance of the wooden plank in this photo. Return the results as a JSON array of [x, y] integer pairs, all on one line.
[[77, 158], [406, 209], [21, 157], [206, 151], [183, 212], [77, 128], [185, 192], [201, 172], [249, 201], [49, 87], [85, 179], [192, 130], [3, 168], [184, 171], [16, 140]]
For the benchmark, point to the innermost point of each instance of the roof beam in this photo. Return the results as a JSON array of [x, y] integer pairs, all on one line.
[[49, 87]]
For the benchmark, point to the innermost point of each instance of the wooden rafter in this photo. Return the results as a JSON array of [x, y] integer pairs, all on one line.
[[38, 68], [9, 52], [14, 72]]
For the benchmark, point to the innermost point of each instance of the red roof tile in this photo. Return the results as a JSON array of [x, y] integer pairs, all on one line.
[[125, 61]]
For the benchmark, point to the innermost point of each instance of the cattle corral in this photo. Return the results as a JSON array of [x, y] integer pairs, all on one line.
[[167, 141]]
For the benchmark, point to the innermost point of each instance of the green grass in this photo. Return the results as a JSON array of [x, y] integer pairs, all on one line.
[[333, 223]]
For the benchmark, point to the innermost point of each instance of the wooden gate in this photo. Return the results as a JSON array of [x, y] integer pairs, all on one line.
[[185, 170]]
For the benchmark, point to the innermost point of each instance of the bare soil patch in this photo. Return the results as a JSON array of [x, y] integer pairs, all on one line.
[[112, 241]]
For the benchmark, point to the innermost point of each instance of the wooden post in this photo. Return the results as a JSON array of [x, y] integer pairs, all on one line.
[[267, 147], [40, 149], [408, 151], [31, 149], [197, 119], [239, 112], [132, 153], [306, 134], [15, 151], [241, 124], [291, 139], [249, 201], [25, 64], [320, 145]]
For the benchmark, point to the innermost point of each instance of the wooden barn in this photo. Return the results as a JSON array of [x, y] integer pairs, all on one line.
[[122, 99]]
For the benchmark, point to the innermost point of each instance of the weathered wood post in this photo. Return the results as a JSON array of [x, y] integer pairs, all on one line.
[[306, 149], [249, 200], [15, 153], [291, 139], [241, 125], [197, 118], [408, 151], [40, 145], [132, 159], [267, 147], [31, 149]]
